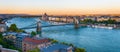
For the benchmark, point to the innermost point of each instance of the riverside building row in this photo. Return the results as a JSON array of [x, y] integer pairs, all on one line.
[[25, 42]]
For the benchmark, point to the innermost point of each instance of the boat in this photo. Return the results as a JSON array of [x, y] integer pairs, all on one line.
[[106, 27]]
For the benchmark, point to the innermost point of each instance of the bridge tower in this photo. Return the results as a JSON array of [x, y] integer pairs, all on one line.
[[76, 23], [45, 17], [38, 29]]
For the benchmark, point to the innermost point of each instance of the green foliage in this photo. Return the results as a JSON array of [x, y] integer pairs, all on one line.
[[1, 40], [54, 41], [87, 21], [111, 21], [1, 35], [67, 44], [71, 45], [19, 30], [79, 50], [1, 20], [33, 33], [13, 28], [34, 50], [107, 22], [6, 44], [64, 43], [20, 50]]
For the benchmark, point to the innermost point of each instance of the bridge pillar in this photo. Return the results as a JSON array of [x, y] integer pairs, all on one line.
[[45, 17], [76, 23], [38, 29]]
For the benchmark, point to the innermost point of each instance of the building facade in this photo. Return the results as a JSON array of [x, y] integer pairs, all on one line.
[[31, 43], [19, 39], [3, 27], [10, 36], [15, 38], [116, 18]]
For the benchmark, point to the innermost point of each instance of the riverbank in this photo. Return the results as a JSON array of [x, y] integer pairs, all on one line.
[[75, 49], [92, 39]]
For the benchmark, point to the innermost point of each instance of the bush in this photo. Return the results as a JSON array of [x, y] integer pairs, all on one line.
[[54, 41], [33, 33], [79, 50], [13, 28], [7, 44], [34, 50]]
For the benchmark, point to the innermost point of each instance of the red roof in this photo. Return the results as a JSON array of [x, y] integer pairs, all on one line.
[[35, 41]]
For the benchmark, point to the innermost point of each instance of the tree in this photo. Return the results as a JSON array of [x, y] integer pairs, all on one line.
[[79, 50], [1, 35], [111, 21], [13, 28], [87, 21], [33, 33], [64, 43], [7, 44], [54, 41], [71, 45]]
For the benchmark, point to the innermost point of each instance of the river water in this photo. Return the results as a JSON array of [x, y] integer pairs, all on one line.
[[92, 39]]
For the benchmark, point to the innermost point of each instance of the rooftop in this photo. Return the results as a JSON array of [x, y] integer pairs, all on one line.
[[55, 47], [10, 33], [14, 33], [35, 41], [19, 36]]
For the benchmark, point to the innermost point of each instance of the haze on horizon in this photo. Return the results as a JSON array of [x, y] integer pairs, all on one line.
[[60, 7]]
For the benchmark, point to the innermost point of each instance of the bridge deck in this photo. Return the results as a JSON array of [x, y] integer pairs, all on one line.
[[45, 26]]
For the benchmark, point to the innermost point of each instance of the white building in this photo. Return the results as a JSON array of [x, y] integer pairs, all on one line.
[[3, 27]]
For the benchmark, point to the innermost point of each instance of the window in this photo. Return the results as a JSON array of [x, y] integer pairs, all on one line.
[[24, 44]]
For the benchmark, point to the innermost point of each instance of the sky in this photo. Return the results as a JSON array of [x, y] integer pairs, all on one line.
[[60, 7]]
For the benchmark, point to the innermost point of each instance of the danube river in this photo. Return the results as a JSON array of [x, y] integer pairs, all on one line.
[[92, 39]]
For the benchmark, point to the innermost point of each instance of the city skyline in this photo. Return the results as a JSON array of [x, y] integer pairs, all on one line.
[[60, 7]]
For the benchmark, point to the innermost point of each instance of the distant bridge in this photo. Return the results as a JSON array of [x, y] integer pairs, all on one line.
[[45, 26], [39, 26], [50, 19]]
